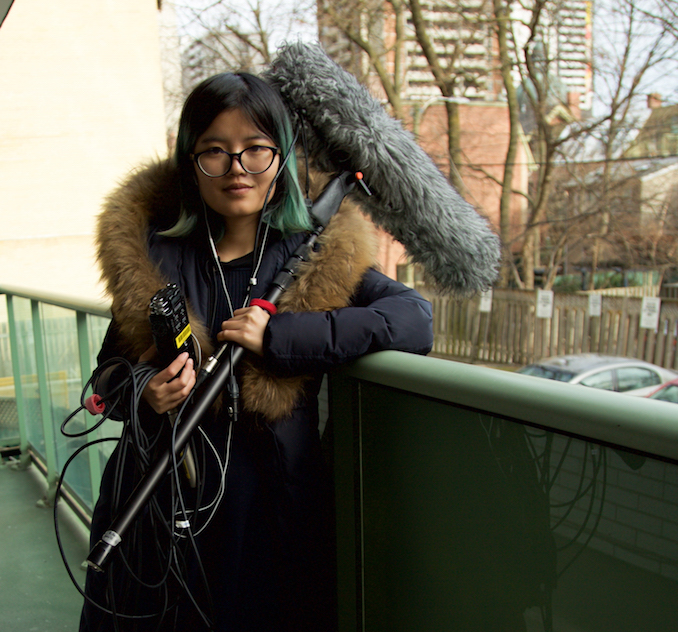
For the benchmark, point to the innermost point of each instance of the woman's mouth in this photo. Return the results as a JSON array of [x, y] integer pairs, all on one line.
[[238, 188]]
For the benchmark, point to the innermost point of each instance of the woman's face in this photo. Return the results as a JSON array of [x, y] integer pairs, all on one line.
[[236, 195]]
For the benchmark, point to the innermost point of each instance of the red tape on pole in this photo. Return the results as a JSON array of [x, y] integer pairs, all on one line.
[[264, 304]]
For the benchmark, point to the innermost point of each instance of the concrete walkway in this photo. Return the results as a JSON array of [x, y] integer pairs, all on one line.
[[36, 594]]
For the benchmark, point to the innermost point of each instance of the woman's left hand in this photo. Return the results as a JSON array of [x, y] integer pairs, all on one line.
[[246, 328]]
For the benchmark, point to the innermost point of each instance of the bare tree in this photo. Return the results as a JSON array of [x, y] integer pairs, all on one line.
[[639, 205], [390, 34], [447, 60], [627, 54], [376, 28], [503, 31], [243, 35]]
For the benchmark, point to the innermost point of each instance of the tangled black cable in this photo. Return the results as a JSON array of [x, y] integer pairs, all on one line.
[[137, 448]]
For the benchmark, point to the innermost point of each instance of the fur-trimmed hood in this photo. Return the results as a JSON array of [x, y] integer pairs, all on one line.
[[150, 197]]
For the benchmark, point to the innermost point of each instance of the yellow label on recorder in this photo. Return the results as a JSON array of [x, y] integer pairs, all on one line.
[[183, 336]]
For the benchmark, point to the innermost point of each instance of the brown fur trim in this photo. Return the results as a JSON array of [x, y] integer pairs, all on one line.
[[130, 277], [348, 247], [271, 396], [326, 282]]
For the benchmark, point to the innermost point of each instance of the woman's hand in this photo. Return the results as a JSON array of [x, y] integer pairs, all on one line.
[[246, 328], [164, 393]]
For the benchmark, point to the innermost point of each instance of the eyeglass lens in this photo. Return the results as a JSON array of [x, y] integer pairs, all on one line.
[[216, 162]]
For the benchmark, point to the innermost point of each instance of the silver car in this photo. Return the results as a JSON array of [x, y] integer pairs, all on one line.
[[611, 373]]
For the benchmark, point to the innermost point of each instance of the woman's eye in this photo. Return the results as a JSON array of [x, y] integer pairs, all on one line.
[[215, 150]]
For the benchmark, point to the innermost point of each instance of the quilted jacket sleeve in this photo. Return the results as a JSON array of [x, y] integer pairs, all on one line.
[[384, 314]]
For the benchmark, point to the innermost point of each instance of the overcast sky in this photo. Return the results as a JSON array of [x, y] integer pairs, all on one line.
[[277, 16]]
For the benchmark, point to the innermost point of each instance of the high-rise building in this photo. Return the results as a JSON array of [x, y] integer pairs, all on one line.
[[573, 33], [564, 42], [463, 41], [463, 37]]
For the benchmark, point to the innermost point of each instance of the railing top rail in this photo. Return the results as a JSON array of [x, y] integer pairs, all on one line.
[[635, 423], [77, 303]]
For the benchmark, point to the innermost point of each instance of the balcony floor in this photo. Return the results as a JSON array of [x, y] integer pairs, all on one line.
[[36, 594]]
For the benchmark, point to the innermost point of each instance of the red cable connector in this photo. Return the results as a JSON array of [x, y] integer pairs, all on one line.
[[95, 405]]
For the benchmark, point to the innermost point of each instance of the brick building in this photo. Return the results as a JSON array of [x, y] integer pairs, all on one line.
[[483, 113]]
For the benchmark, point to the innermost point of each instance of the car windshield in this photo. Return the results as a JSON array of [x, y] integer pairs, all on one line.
[[668, 394], [550, 373]]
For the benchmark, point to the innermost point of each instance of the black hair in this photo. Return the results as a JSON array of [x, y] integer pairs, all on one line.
[[265, 109]]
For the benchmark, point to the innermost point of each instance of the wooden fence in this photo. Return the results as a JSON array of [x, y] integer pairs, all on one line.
[[511, 333]]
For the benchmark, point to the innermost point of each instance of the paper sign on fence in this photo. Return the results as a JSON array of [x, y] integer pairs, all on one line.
[[486, 301], [649, 314], [595, 304], [544, 303]]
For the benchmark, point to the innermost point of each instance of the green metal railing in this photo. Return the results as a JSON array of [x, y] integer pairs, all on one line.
[[475, 499], [52, 342], [467, 498]]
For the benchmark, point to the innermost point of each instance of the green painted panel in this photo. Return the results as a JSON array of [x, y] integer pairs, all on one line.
[[455, 528], [473, 522], [634, 422]]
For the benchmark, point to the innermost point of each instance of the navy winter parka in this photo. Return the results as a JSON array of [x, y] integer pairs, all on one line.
[[266, 560]]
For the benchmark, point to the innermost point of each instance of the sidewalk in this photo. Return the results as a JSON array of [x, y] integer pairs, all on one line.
[[37, 594]]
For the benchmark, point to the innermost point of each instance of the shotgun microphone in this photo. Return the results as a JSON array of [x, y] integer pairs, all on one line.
[[412, 200]]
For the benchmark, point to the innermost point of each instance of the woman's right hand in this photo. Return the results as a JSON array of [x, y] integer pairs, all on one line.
[[163, 393]]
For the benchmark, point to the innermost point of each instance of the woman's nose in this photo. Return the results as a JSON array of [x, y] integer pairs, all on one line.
[[236, 165]]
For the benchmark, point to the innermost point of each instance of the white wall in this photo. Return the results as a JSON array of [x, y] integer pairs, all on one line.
[[81, 103]]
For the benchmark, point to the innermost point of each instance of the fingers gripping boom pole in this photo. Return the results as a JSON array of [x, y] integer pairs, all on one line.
[[214, 375]]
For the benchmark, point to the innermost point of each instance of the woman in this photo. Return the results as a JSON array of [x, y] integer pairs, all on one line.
[[220, 221]]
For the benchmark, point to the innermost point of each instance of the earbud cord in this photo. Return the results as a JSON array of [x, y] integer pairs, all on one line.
[[215, 256], [259, 241], [260, 251]]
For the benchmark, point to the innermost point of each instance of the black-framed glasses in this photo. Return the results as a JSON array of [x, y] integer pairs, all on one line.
[[215, 162]]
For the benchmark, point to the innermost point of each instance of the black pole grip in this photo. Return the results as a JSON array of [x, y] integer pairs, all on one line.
[[158, 470]]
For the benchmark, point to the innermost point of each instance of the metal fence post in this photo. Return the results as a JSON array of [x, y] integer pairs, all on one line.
[[18, 387], [85, 372], [45, 408]]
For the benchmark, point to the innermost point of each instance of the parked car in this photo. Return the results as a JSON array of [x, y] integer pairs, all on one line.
[[667, 392], [611, 373]]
